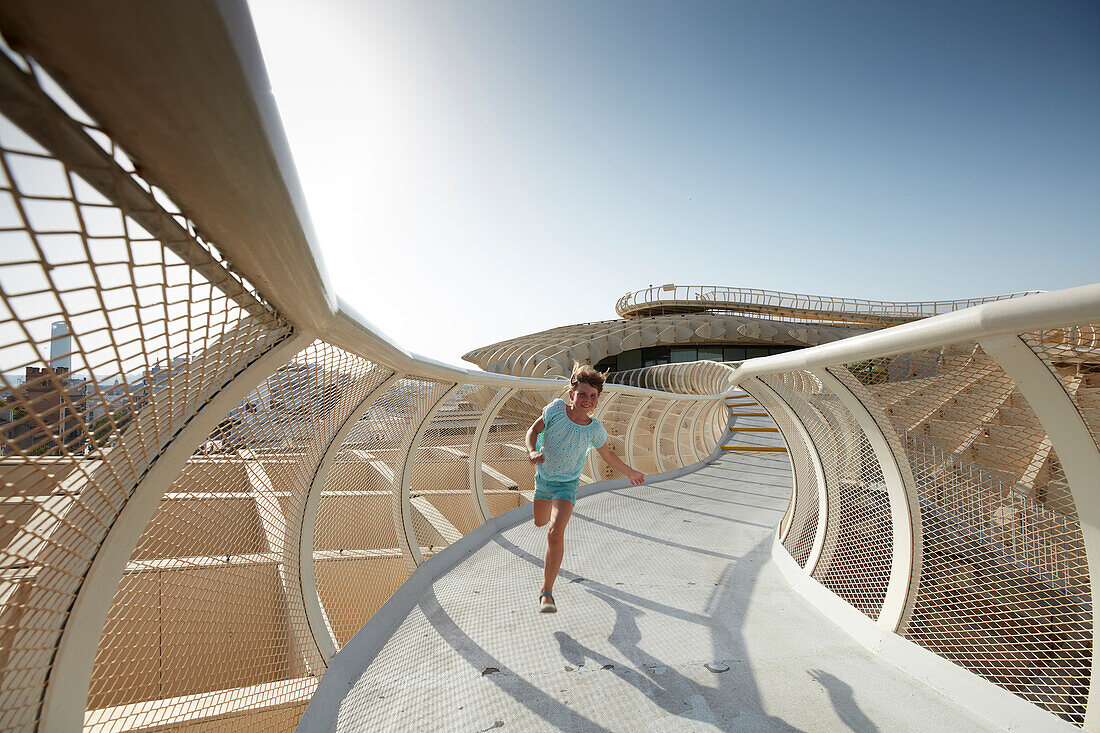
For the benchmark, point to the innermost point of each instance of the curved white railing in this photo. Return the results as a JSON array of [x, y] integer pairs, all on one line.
[[232, 464], [696, 378], [221, 470], [792, 306], [945, 485]]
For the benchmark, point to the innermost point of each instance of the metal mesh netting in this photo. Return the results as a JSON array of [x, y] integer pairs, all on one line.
[[117, 323], [1073, 355], [508, 477], [443, 508], [215, 574], [858, 543], [803, 522], [1003, 581], [358, 565]]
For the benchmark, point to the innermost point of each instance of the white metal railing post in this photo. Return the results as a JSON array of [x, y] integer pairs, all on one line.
[[477, 453], [903, 567], [819, 471], [315, 611], [65, 693], [657, 427], [280, 538], [687, 416], [402, 503], [1078, 455], [632, 429], [696, 426]]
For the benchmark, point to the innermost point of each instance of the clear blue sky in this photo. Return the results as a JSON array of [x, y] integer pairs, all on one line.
[[480, 170]]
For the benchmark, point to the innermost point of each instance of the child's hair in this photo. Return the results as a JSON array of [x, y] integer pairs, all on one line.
[[587, 374]]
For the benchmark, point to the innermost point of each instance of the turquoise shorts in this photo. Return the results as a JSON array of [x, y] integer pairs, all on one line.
[[567, 490]]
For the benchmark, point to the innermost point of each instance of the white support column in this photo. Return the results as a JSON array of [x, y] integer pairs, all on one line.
[[901, 520], [1079, 458], [822, 493], [477, 454], [402, 504], [632, 429], [315, 612], [684, 416], [66, 691], [657, 435], [714, 426], [700, 421], [701, 409]]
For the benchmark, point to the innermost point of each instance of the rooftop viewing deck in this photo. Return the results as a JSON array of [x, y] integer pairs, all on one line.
[[798, 307]]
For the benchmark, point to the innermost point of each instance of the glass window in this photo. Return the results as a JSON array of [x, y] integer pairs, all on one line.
[[711, 353], [630, 360], [751, 352], [679, 354], [733, 353], [610, 362]]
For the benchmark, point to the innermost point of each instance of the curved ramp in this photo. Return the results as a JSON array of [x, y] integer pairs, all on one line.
[[658, 582]]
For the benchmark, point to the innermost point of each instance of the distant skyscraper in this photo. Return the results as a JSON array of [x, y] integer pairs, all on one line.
[[60, 346]]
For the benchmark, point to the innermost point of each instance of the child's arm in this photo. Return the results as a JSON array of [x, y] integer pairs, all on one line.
[[533, 455], [636, 477]]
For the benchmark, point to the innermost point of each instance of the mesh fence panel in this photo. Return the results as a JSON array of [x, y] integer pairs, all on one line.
[[802, 529], [440, 486], [117, 323], [858, 543], [358, 565], [215, 574], [1003, 587], [508, 477], [1073, 356]]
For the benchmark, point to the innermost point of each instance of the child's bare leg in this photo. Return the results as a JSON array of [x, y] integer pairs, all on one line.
[[555, 542], [541, 510]]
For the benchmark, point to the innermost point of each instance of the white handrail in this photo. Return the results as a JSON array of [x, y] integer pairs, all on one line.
[[1043, 310], [716, 296]]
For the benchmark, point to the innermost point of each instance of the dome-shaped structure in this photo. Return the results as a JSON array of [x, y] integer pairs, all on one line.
[[671, 323]]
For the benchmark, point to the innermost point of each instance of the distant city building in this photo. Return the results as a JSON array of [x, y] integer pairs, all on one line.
[[48, 411], [60, 346]]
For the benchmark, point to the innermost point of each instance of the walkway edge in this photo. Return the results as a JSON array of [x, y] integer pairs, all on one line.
[[968, 690], [349, 664]]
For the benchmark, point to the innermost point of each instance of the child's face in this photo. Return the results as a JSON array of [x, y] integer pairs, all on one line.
[[584, 396]]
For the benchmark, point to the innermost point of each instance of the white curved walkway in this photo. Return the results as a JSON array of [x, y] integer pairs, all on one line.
[[658, 581]]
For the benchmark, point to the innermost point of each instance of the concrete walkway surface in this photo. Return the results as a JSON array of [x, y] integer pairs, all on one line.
[[673, 617]]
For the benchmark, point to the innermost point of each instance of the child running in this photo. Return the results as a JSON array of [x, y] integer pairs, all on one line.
[[557, 443]]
